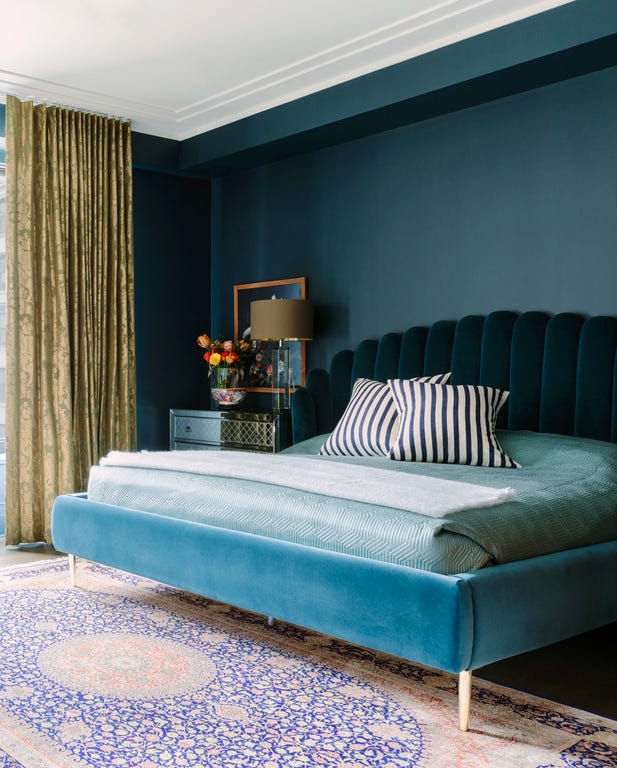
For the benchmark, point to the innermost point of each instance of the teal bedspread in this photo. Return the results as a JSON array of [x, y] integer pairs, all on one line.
[[565, 497], [565, 494]]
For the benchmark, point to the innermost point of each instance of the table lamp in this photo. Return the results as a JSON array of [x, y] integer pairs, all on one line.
[[281, 320]]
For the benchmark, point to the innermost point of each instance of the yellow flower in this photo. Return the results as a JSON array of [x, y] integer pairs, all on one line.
[[203, 340], [215, 358]]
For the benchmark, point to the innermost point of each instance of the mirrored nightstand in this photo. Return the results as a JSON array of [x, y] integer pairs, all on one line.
[[264, 432]]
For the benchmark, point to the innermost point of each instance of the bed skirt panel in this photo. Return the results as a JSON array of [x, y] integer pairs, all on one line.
[[421, 616]]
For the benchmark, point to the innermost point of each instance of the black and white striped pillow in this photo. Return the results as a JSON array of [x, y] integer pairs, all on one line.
[[448, 424], [369, 423]]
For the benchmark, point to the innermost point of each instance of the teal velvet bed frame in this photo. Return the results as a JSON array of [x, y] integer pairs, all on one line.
[[561, 374]]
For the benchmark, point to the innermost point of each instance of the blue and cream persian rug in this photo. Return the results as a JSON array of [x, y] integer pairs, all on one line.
[[124, 672]]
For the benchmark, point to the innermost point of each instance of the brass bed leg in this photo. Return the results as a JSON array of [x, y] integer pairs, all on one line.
[[464, 699], [72, 570]]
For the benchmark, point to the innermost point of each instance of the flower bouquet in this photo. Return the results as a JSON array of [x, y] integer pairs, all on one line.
[[225, 368]]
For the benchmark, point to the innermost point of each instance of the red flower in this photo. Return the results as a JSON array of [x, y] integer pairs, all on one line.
[[223, 354]]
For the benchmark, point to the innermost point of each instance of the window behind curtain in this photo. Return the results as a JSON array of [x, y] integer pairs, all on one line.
[[2, 338], [2, 309]]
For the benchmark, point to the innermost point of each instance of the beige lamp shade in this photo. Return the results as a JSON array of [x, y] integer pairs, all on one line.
[[287, 319]]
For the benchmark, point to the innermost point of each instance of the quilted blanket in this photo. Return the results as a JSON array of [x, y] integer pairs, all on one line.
[[430, 496]]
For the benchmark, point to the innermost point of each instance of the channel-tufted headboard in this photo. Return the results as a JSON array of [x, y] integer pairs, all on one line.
[[561, 370]]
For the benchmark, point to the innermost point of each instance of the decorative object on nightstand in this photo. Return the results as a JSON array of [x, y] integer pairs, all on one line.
[[281, 320], [225, 369], [224, 388], [228, 431], [258, 367]]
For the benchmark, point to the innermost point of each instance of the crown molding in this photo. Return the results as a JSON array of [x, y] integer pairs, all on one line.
[[46, 91], [445, 23]]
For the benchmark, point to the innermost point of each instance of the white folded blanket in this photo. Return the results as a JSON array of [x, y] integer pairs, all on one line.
[[428, 496]]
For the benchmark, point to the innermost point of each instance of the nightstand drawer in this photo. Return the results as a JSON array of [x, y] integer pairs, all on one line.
[[197, 428], [227, 430]]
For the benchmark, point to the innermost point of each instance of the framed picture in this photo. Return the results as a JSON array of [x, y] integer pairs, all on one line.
[[258, 375]]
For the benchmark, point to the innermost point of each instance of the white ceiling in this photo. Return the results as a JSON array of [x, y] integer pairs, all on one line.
[[178, 69]]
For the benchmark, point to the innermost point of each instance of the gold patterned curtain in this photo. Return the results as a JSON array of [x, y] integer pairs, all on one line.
[[70, 306]]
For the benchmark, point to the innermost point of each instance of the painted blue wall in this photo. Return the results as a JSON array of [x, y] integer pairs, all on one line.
[[172, 298], [510, 204]]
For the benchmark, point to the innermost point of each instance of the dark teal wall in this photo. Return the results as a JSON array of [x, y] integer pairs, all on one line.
[[511, 204], [172, 298]]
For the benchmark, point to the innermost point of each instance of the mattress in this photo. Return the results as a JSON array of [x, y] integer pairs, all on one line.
[[564, 496]]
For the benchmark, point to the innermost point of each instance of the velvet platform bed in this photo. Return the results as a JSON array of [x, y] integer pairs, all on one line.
[[424, 556]]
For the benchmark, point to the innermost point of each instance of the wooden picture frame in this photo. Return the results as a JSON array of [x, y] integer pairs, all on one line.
[[258, 375]]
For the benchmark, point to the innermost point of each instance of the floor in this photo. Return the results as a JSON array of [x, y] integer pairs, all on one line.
[[25, 553], [580, 672]]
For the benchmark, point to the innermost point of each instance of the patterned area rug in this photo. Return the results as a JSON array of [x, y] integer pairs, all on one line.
[[126, 672]]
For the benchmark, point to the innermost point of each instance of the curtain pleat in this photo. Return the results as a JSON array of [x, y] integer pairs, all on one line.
[[70, 306]]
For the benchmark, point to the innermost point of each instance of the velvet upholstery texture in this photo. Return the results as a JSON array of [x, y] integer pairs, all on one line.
[[559, 370], [453, 623], [411, 613], [559, 374]]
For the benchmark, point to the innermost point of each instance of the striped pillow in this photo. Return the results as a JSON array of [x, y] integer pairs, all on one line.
[[369, 423], [448, 424]]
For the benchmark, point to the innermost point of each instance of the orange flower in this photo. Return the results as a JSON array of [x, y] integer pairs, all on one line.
[[225, 353], [204, 340]]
